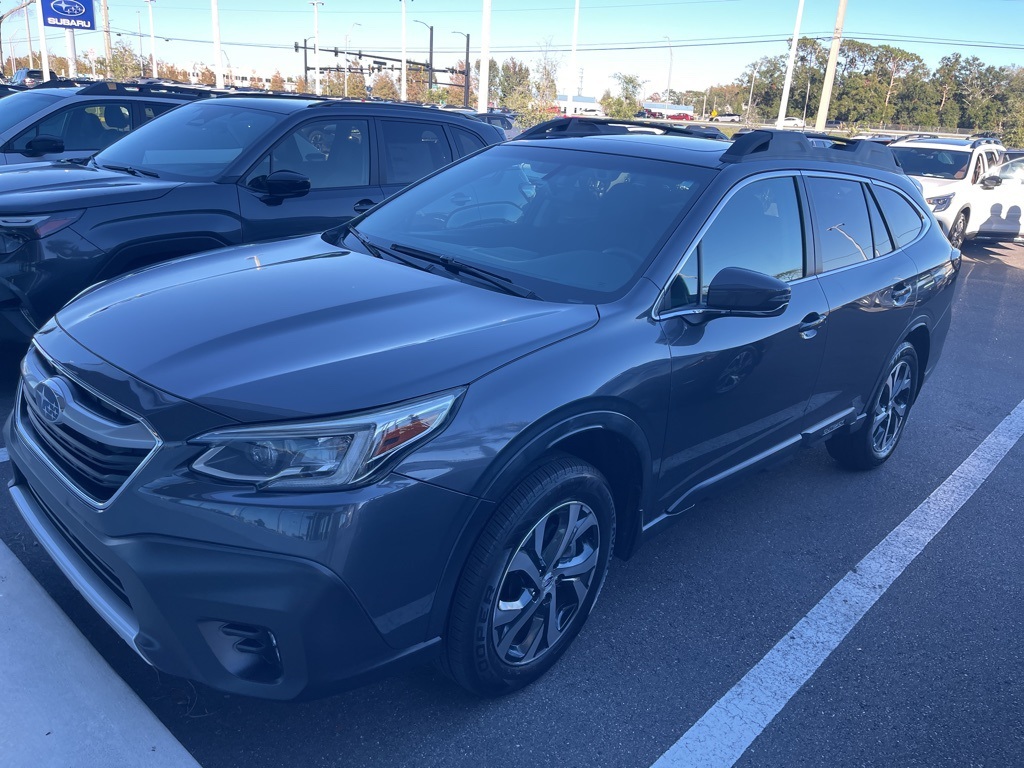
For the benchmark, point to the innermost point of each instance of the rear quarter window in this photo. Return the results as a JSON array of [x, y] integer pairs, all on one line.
[[904, 220]]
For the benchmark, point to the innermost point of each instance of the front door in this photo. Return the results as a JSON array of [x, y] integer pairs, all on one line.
[[336, 155], [740, 385]]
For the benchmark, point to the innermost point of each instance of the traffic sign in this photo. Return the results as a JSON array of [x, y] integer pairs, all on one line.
[[69, 14]]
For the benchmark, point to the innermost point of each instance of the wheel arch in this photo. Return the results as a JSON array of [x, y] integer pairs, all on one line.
[[921, 339], [609, 440]]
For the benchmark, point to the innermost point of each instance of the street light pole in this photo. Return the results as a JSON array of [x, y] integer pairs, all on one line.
[[784, 104], [830, 69], [668, 87], [465, 98], [750, 99], [316, 44], [152, 38], [347, 60], [430, 72], [218, 62]]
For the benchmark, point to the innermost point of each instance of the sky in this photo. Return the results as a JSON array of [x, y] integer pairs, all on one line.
[[688, 44]]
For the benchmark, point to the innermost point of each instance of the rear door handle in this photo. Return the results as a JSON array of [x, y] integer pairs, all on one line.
[[363, 205], [901, 293]]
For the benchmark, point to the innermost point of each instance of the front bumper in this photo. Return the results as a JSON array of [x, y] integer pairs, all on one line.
[[241, 621]]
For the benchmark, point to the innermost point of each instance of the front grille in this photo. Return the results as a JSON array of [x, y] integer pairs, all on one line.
[[93, 444]]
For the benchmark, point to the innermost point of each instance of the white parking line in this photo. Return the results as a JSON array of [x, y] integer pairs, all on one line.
[[725, 731]]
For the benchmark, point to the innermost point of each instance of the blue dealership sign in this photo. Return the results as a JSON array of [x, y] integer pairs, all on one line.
[[68, 14]]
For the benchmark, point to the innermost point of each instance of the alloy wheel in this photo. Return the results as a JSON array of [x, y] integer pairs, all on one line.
[[890, 413]]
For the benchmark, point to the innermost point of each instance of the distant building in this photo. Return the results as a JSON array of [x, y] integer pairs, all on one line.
[[579, 105]]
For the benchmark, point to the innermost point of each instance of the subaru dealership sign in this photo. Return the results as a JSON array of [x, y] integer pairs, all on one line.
[[69, 14]]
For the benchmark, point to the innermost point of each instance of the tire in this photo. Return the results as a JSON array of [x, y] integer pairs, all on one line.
[[532, 578], [876, 439], [958, 230]]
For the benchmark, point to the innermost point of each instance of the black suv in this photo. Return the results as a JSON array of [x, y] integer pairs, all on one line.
[[64, 121], [284, 467], [216, 172]]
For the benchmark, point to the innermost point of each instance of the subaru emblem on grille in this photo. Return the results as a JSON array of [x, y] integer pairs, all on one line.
[[52, 399]]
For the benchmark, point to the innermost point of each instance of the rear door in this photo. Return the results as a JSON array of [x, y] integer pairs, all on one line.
[[1001, 204], [868, 280], [336, 155]]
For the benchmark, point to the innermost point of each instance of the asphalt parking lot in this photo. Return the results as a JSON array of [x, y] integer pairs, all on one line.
[[932, 675]]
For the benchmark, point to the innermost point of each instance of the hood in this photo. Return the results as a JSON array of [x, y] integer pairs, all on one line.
[[51, 187], [933, 187], [299, 328]]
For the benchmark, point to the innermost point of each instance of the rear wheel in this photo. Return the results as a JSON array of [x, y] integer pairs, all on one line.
[[876, 439], [532, 578]]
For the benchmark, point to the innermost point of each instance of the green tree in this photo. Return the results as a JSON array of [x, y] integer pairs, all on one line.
[[513, 83], [384, 87], [627, 102]]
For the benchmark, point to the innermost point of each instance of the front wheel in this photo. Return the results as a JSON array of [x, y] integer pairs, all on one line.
[[958, 231], [532, 578], [876, 439]]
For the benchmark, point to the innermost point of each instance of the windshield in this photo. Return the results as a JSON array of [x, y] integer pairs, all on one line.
[[569, 225], [935, 163], [194, 142], [18, 106]]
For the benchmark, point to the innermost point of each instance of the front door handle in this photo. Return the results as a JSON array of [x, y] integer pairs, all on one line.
[[363, 205], [809, 325]]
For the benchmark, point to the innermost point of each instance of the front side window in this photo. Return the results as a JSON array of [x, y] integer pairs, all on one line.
[[197, 141], [21, 106], [331, 153], [841, 222], [83, 127], [412, 150], [759, 228], [569, 225]]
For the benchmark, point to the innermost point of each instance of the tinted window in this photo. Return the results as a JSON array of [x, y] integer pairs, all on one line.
[[84, 127], [196, 141], [904, 221], [412, 150], [466, 142], [19, 106], [149, 111], [841, 222], [571, 226], [330, 153], [759, 228]]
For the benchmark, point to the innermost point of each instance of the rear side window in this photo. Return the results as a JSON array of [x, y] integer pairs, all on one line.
[[155, 109], [466, 142], [905, 223], [83, 127], [880, 233], [841, 222], [412, 150]]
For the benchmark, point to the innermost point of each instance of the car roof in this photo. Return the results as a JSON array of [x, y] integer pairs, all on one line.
[[756, 146], [945, 143]]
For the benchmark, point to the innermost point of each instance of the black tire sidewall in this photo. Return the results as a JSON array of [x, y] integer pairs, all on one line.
[[543, 490]]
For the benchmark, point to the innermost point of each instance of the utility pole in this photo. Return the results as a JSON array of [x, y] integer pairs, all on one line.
[[108, 50], [42, 41], [465, 95], [404, 89], [28, 32], [316, 44], [784, 104], [668, 86], [218, 54], [482, 100], [152, 38], [573, 71], [830, 69], [348, 61]]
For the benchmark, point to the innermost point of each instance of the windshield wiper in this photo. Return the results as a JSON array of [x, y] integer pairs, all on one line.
[[457, 267], [378, 252], [130, 170]]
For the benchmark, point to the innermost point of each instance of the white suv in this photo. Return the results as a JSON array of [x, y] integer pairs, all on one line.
[[950, 172]]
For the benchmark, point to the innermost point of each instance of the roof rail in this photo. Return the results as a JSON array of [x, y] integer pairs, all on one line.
[[109, 87], [985, 140], [62, 82], [767, 144]]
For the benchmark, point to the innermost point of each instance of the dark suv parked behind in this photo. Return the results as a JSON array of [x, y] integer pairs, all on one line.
[[281, 468], [216, 172]]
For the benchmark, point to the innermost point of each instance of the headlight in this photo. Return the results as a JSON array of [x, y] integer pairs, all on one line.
[[16, 230], [941, 202], [322, 455]]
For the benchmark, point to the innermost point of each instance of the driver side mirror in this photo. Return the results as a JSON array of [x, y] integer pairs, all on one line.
[[284, 184], [44, 145], [991, 182], [741, 291]]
